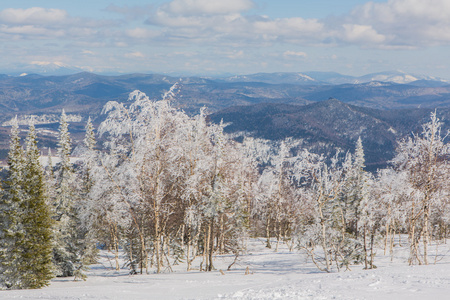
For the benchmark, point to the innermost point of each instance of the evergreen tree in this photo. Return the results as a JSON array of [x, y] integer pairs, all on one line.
[[12, 232], [356, 190], [88, 249], [65, 252], [37, 268], [26, 237], [89, 139]]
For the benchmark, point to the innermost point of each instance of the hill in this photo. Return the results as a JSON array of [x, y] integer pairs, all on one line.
[[331, 123]]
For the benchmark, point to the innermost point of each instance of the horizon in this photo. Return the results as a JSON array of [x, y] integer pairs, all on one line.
[[210, 38], [430, 77]]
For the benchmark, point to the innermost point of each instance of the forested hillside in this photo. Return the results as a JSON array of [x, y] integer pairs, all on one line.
[[331, 124]]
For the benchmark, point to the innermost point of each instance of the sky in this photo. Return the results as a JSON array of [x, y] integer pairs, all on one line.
[[215, 37]]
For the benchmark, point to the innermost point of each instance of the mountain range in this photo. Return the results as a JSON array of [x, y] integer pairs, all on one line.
[[323, 108]]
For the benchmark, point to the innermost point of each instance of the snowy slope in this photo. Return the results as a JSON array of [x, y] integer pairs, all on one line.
[[281, 275]]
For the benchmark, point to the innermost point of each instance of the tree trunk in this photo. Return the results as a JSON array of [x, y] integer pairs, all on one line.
[[426, 213], [365, 248], [324, 237], [211, 245], [157, 242], [268, 245]]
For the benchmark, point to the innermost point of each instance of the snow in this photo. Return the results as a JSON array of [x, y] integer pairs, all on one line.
[[281, 275]]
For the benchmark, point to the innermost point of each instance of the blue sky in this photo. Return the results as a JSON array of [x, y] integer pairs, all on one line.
[[210, 37]]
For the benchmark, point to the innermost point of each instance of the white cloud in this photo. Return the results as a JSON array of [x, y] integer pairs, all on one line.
[[32, 16], [141, 33], [206, 7], [364, 34], [295, 54], [136, 54], [235, 54], [48, 63], [290, 28], [408, 22], [232, 28], [50, 23], [132, 12], [395, 11]]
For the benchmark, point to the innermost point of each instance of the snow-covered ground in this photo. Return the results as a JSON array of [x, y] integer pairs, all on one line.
[[281, 275]]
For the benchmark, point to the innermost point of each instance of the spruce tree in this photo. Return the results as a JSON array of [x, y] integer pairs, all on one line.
[[88, 249], [65, 249], [12, 231], [37, 268], [26, 236], [89, 139]]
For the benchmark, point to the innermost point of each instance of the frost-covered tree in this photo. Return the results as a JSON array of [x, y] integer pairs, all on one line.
[[390, 192], [276, 199], [424, 158], [66, 253], [355, 191], [323, 234], [12, 231], [89, 138], [85, 236], [167, 185]]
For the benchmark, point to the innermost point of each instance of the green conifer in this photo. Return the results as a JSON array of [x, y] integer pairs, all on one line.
[[12, 231], [26, 236], [37, 252]]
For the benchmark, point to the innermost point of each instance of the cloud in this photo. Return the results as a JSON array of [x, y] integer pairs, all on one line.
[[136, 54], [408, 22], [363, 34], [235, 54], [206, 7], [30, 30], [32, 16], [141, 33], [49, 23], [295, 54], [131, 12], [223, 23], [236, 27], [48, 63]]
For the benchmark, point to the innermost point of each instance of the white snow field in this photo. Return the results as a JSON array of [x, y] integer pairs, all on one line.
[[273, 275]]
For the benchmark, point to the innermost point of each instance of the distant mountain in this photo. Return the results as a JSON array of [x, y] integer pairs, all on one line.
[[329, 124], [274, 78], [333, 78], [85, 94], [397, 77], [45, 68]]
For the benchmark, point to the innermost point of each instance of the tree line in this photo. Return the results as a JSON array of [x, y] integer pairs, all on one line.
[[168, 188]]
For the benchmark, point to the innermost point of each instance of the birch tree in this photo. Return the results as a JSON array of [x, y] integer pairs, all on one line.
[[424, 158]]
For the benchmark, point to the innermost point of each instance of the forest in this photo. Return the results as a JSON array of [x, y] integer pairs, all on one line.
[[167, 187]]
